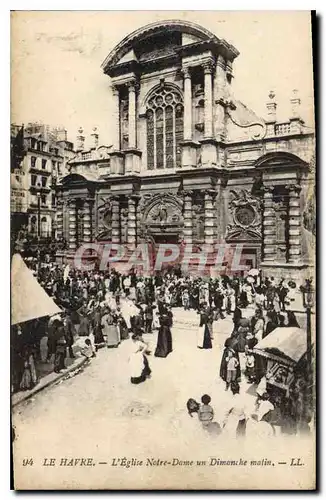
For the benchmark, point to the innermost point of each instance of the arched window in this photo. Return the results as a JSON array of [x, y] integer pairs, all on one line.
[[164, 128]]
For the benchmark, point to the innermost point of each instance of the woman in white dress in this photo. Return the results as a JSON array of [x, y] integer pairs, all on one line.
[[138, 362], [234, 424]]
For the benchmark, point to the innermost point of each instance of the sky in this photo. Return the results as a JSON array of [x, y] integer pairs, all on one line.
[[56, 56]]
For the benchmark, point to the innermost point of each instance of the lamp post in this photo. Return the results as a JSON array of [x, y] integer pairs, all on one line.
[[38, 194], [308, 296], [308, 303]]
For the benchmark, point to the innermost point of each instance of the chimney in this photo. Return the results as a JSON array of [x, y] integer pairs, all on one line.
[[61, 134], [94, 138], [80, 140]]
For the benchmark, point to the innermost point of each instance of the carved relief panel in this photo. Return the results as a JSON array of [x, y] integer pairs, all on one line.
[[198, 213], [160, 213], [280, 204], [245, 212], [104, 217]]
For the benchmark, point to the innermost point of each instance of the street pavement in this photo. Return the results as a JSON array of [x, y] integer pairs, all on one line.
[[99, 413]]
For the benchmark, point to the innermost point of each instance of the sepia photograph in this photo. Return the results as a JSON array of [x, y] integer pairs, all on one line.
[[163, 250]]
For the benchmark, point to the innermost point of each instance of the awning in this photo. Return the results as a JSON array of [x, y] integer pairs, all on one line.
[[28, 299], [289, 342]]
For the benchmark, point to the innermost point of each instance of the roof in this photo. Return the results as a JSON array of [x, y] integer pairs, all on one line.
[[79, 176], [28, 299], [290, 342]]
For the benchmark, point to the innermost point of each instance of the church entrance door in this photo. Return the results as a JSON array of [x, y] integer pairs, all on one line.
[[166, 239]]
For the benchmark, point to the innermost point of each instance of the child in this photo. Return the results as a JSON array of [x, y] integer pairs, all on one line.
[[88, 350], [250, 366], [192, 406], [205, 412], [156, 321], [231, 370]]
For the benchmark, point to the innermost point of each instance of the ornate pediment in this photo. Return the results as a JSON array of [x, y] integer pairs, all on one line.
[[164, 35], [245, 215]]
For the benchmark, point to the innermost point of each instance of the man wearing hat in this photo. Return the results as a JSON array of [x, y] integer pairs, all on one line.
[[69, 331]]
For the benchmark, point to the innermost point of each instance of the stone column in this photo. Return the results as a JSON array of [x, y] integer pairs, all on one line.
[[72, 225], [132, 115], [115, 221], [220, 98], [187, 217], [209, 216], [208, 71], [132, 225], [295, 234], [187, 132], [269, 226], [116, 119]]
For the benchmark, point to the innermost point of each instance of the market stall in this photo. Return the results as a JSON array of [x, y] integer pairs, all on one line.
[[31, 307], [283, 349]]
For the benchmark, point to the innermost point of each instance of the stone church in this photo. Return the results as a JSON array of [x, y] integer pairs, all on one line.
[[189, 163]]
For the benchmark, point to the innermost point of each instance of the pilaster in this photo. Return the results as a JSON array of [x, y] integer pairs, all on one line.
[[132, 224], [269, 226], [210, 218], [295, 231], [115, 221], [187, 217], [72, 225]]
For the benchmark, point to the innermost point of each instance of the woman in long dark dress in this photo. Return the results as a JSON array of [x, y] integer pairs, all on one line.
[[164, 339], [204, 330], [292, 320], [270, 325], [97, 328], [124, 333], [231, 345], [60, 351]]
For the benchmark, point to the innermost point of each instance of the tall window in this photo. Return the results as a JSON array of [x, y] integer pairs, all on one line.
[[33, 161], [164, 129], [44, 227]]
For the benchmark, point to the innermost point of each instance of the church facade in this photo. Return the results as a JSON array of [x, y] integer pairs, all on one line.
[[189, 163]]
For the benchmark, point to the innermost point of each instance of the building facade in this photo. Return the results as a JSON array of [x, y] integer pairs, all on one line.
[[34, 176], [189, 163]]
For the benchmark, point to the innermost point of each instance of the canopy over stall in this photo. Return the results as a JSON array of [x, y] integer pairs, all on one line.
[[289, 343], [28, 299], [283, 348]]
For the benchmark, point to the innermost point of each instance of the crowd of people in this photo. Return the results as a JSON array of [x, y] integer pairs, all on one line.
[[103, 309]]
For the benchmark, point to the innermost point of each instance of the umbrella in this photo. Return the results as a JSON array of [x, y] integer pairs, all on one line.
[[253, 272]]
